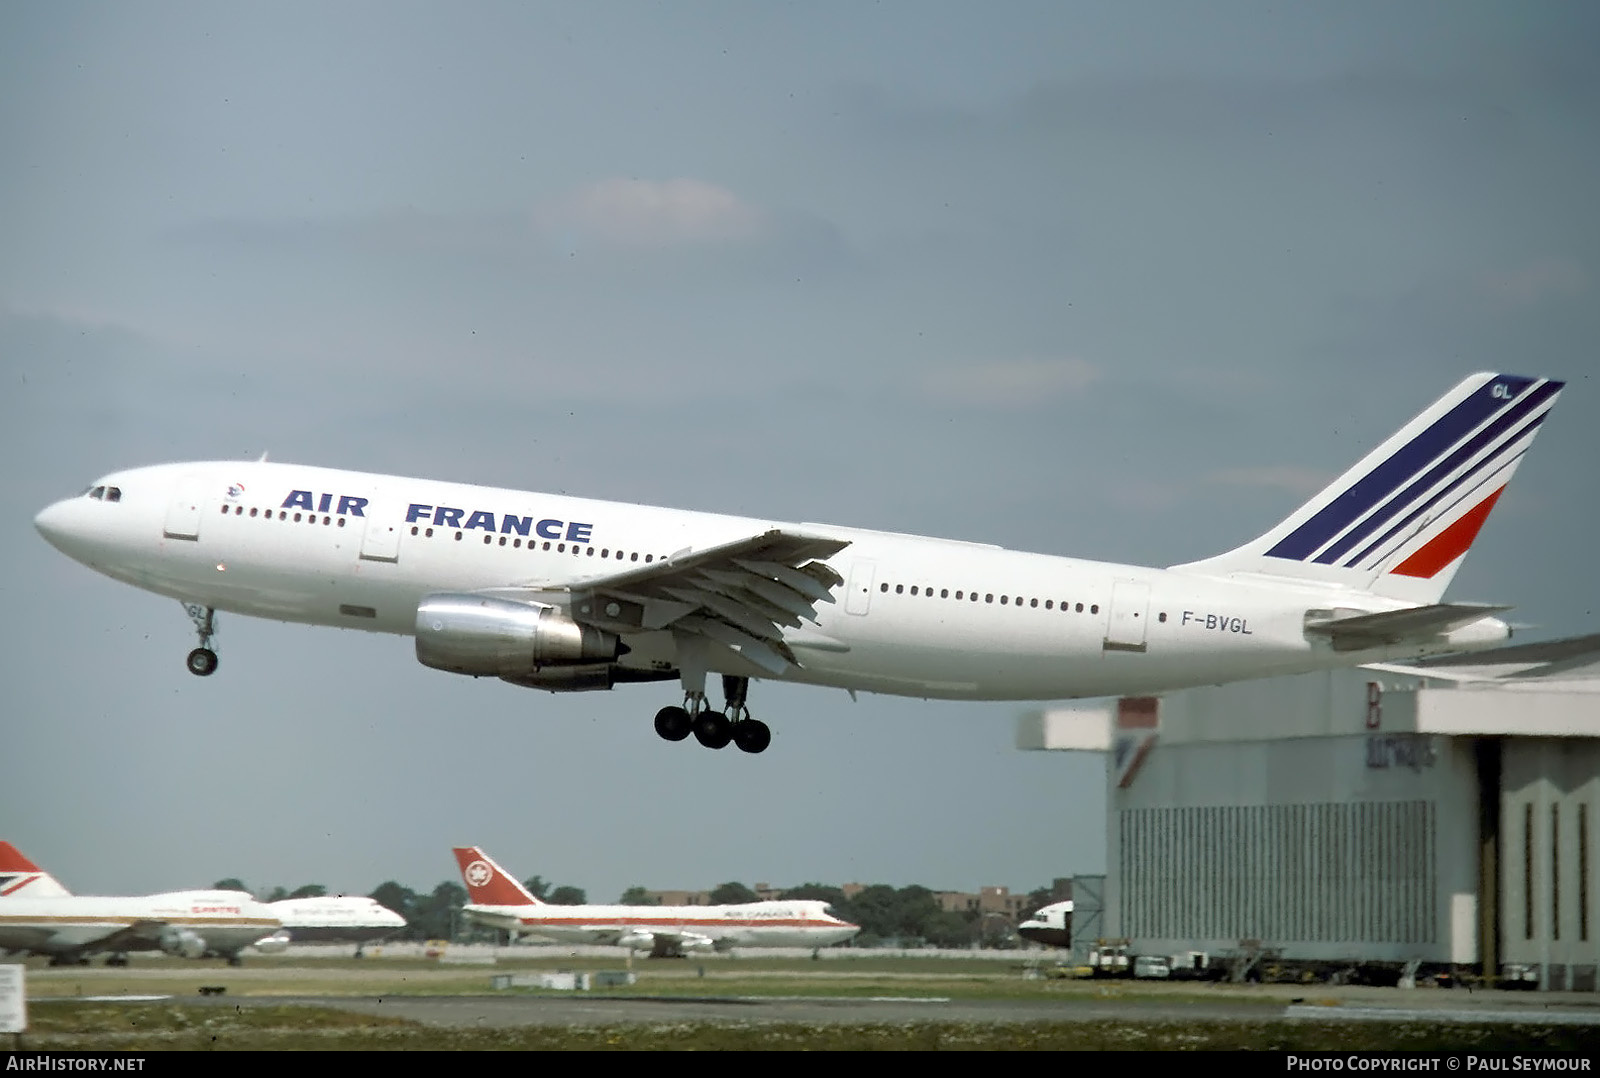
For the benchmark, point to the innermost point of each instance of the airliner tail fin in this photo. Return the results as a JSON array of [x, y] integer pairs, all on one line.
[[21, 878], [1399, 523], [487, 883]]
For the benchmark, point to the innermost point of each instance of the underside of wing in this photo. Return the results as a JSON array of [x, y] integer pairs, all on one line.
[[741, 594]]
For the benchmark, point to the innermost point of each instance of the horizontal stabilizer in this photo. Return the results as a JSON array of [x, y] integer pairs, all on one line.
[[1413, 625]]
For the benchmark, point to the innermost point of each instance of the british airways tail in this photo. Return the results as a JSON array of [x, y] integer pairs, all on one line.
[[487, 883], [21, 878], [1399, 523]]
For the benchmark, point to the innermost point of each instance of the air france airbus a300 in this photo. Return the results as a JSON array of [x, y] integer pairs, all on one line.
[[565, 594]]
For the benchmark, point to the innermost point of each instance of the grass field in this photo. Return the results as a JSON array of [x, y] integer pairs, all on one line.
[[64, 1013]]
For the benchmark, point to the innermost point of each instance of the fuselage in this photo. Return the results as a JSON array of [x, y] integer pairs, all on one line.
[[915, 616], [336, 918], [226, 922], [753, 924]]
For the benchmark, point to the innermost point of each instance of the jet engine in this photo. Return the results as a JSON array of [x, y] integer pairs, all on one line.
[[276, 943], [181, 942], [484, 636], [636, 939], [694, 944]]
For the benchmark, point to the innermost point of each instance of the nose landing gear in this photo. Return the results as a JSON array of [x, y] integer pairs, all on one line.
[[202, 661]]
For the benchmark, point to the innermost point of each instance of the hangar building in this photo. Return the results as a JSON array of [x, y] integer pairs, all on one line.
[[1359, 817]]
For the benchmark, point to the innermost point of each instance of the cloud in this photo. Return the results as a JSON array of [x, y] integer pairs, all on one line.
[[1016, 383], [651, 213]]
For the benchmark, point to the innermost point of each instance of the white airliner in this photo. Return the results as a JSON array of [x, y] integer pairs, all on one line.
[[1050, 925], [565, 594], [499, 901], [39, 916], [332, 919]]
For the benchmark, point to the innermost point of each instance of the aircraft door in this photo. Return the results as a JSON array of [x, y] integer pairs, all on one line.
[[380, 541], [183, 514], [1125, 625], [858, 595]]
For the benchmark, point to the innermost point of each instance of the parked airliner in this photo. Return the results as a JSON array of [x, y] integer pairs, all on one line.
[[332, 919], [497, 900], [566, 594], [39, 916]]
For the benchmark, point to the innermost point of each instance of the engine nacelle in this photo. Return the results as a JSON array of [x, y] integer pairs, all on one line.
[[276, 943], [696, 944], [636, 940], [181, 942], [483, 636], [584, 678]]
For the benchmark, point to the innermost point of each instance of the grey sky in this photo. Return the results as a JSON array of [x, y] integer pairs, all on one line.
[[1122, 281]]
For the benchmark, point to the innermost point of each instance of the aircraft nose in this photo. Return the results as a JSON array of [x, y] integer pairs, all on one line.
[[52, 523]]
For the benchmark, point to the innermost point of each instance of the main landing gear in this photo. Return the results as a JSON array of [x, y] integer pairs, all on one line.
[[202, 661], [714, 729]]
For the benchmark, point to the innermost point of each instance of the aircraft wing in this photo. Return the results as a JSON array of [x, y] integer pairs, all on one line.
[[741, 594], [1417, 623]]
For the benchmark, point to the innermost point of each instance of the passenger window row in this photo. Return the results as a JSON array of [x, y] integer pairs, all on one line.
[[989, 597], [283, 514], [578, 549]]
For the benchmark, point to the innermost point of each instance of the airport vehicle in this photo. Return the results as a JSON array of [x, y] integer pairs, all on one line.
[[332, 919], [39, 916], [1050, 925], [566, 594], [497, 900]]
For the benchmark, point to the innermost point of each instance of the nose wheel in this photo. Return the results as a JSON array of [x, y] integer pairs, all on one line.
[[202, 661], [716, 729]]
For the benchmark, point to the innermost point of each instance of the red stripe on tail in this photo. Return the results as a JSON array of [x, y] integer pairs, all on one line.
[[1449, 544]]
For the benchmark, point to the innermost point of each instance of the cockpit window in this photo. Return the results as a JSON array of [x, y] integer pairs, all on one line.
[[97, 493], [113, 494]]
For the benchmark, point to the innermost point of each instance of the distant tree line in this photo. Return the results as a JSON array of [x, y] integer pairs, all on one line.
[[888, 916]]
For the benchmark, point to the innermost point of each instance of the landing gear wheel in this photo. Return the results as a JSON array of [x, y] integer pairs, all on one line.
[[673, 723], [752, 735], [712, 729], [202, 662]]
